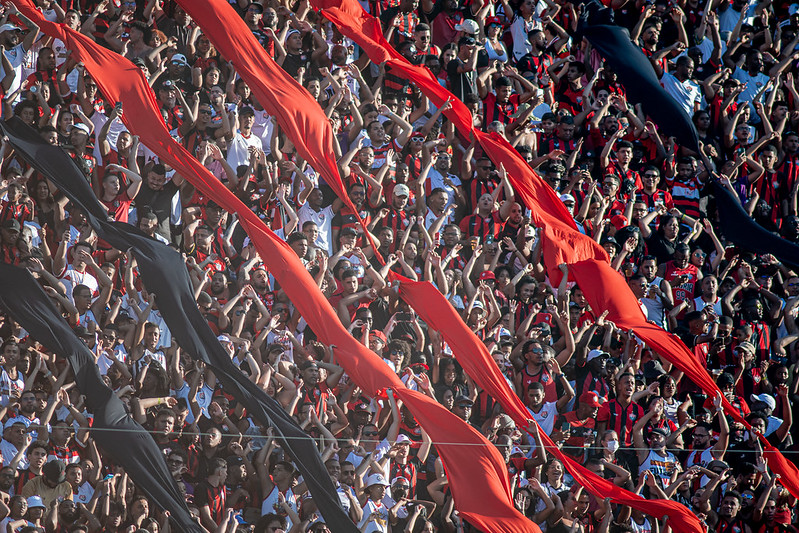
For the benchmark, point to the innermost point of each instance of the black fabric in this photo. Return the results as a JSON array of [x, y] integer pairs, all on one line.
[[747, 234], [164, 273], [117, 434], [635, 72]]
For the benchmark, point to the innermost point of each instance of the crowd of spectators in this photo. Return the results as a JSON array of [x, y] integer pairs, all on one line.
[[439, 211]]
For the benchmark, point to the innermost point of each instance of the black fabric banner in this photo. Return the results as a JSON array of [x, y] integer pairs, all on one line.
[[118, 435], [739, 227], [635, 72], [164, 273]]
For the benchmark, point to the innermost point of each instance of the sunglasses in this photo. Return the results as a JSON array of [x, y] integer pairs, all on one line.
[[417, 139]]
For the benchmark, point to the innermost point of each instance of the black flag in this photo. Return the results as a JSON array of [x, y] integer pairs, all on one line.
[[635, 72], [164, 273], [129, 444]]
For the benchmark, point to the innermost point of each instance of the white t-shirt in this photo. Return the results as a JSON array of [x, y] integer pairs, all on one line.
[[324, 220], [237, 153], [686, 93], [546, 416], [15, 56], [72, 277]]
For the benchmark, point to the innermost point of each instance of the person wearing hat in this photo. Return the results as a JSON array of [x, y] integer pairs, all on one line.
[[243, 140], [16, 47], [397, 217], [51, 485], [462, 70], [375, 512], [582, 426], [8, 242], [654, 457]]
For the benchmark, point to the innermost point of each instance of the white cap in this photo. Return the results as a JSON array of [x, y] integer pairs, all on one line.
[[402, 190], [765, 398], [9, 27], [468, 26], [593, 354], [376, 479], [566, 198], [82, 127], [179, 58], [225, 339]]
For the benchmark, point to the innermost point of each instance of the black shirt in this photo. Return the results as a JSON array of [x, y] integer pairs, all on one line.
[[461, 83]]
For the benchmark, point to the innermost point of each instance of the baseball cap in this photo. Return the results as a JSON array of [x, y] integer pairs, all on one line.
[[618, 221], [653, 369], [746, 345], [402, 439], [506, 422], [12, 224], [9, 27], [493, 20], [348, 231], [402, 190], [468, 26], [225, 339], [611, 240], [82, 127], [463, 399], [566, 198], [466, 40], [234, 460], [55, 471], [765, 398], [361, 406], [36, 501], [593, 354], [180, 59], [256, 4], [487, 275], [376, 479], [590, 398], [378, 334], [659, 431]]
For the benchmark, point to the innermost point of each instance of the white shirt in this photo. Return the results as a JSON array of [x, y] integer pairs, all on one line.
[[546, 416], [72, 277], [237, 153], [686, 93], [271, 505], [324, 221], [15, 56], [437, 182]]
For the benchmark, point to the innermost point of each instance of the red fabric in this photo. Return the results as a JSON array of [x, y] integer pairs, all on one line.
[[303, 121], [562, 243], [476, 361], [479, 481]]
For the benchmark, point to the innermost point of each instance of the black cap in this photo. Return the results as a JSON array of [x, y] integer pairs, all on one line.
[[466, 40], [463, 399], [11, 224], [653, 369], [54, 471], [346, 230], [81, 331], [234, 460]]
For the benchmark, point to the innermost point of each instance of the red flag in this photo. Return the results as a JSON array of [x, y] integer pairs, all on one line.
[[478, 477], [562, 243]]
